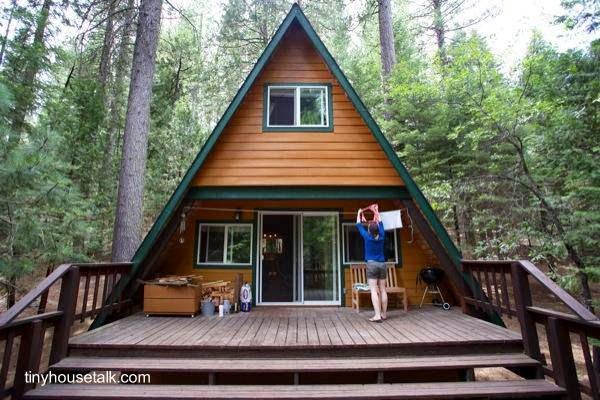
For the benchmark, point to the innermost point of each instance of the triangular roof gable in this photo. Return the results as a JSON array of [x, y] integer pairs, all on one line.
[[295, 14]]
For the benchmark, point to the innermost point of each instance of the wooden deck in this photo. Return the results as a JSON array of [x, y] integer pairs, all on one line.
[[297, 328], [300, 353]]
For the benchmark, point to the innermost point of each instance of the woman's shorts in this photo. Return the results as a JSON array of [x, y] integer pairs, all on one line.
[[376, 270]]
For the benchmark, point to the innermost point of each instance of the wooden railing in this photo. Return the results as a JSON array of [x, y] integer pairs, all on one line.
[[506, 291], [25, 325]]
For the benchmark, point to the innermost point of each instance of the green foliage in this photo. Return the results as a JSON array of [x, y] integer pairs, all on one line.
[[42, 211], [584, 13], [510, 164]]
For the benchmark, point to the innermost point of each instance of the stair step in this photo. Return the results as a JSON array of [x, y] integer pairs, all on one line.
[[437, 390], [274, 365]]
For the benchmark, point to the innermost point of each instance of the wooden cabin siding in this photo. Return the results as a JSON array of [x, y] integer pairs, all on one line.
[[245, 155], [178, 257]]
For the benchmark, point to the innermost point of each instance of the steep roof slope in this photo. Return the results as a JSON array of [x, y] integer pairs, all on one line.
[[294, 16]]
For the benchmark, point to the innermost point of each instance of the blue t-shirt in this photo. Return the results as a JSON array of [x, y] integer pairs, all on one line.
[[373, 247]]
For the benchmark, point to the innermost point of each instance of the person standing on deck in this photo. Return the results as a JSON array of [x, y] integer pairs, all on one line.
[[376, 269]]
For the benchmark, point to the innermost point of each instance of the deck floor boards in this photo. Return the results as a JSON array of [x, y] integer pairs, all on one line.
[[297, 327]]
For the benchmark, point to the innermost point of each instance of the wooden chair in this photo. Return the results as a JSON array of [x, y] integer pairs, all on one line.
[[358, 274]]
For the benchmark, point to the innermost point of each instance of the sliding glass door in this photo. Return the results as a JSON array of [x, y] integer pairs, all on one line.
[[320, 257], [299, 258]]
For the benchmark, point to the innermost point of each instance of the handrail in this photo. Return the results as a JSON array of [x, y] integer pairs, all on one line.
[[31, 318], [13, 312], [27, 333], [493, 277], [573, 304], [565, 317]]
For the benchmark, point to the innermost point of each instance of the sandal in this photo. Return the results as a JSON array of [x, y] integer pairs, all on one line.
[[383, 318], [376, 320]]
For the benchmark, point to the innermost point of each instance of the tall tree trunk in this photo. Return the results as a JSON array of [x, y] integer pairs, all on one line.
[[24, 102], [129, 215], [114, 115], [439, 29], [104, 67], [386, 38], [388, 48], [7, 31], [11, 281]]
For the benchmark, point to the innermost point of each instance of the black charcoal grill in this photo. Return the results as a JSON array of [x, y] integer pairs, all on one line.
[[432, 276]]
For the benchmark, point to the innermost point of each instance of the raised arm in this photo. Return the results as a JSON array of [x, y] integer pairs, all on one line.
[[361, 229]]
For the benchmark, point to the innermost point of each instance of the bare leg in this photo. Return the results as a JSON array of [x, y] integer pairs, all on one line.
[[375, 298], [383, 297]]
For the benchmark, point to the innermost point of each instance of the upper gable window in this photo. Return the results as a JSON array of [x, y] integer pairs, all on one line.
[[297, 107]]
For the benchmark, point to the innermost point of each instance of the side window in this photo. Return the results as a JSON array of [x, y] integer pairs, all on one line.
[[354, 250], [227, 244]]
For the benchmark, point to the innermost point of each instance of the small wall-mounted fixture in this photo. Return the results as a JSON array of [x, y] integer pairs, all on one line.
[[238, 214]]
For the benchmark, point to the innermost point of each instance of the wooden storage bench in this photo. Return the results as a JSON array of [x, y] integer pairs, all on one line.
[[169, 300]]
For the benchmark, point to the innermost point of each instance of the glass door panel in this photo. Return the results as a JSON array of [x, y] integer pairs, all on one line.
[[320, 258], [278, 255]]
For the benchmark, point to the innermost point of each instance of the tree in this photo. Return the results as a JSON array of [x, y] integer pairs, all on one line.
[[581, 13], [388, 51], [25, 99], [129, 215], [386, 38]]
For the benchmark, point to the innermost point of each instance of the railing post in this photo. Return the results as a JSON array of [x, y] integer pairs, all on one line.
[[596, 360], [522, 294], [561, 353], [30, 354], [67, 302]]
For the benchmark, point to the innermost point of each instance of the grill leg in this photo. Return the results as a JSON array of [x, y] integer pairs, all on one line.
[[440, 293], [424, 294]]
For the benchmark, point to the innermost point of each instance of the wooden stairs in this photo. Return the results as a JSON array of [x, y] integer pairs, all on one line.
[[301, 352], [316, 375]]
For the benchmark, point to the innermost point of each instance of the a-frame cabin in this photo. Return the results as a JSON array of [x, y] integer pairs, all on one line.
[[272, 198], [295, 148]]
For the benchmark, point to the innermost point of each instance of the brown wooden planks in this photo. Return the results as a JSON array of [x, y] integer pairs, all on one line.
[[297, 328], [433, 390], [349, 155], [329, 364]]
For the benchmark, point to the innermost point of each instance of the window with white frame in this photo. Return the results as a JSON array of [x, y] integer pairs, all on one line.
[[354, 248], [297, 106], [224, 243]]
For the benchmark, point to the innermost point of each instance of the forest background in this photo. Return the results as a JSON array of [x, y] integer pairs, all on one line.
[[508, 153]]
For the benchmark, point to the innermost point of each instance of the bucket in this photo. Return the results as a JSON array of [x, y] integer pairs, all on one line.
[[226, 307], [208, 308]]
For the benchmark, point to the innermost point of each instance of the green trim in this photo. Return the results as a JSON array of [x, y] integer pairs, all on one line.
[[197, 265], [328, 128], [297, 192]]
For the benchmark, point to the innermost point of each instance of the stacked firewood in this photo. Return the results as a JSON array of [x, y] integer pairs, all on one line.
[[176, 280], [218, 291]]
